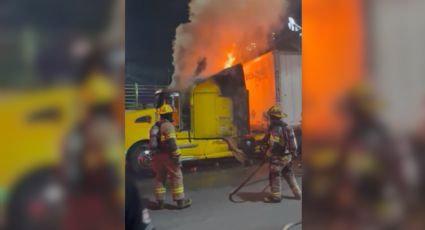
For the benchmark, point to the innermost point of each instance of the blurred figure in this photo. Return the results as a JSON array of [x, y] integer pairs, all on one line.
[[60, 149], [360, 170], [370, 187], [362, 182], [281, 147], [166, 161], [77, 185], [91, 173]]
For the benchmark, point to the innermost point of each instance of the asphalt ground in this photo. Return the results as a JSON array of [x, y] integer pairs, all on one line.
[[209, 183]]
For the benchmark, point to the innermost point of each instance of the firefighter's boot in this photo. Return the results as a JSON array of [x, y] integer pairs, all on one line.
[[297, 192], [272, 199], [184, 203], [159, 205]]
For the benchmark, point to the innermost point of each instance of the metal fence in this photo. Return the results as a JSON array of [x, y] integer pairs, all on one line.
[[139, 96]]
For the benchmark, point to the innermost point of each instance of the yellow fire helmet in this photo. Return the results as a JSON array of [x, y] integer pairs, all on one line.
[[362, 97], [164, 109], [98, 90], [275, 111]]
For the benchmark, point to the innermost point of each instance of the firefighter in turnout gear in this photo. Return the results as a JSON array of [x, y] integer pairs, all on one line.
[[281, 146], [166, 159]]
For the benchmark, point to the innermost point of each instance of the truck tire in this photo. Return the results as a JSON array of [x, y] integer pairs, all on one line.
[[37, 202], [138, 160]]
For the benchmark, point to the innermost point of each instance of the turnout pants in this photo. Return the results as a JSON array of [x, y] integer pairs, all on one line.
[[281, 166], [165, 168]]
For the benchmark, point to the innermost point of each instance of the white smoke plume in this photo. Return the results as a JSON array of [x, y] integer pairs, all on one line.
[[219, 27]]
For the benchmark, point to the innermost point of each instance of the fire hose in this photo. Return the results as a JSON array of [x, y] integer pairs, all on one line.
[[237, 189], [237, 153], [240, 154], [234, 191], [290, 225]]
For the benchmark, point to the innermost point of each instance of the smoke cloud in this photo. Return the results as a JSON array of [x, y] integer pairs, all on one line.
[[219, 27]]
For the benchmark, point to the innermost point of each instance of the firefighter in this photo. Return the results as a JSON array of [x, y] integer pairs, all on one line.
[[166, 159], [281, 145]]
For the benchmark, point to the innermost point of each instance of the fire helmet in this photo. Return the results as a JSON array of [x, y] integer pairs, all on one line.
[[165, 109], [97, 90], [362, 99], [275, 112]]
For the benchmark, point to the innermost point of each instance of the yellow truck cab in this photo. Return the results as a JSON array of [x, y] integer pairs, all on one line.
[[203, 118]]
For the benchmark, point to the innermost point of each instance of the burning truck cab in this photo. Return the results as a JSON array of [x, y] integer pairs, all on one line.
[[224, 115]]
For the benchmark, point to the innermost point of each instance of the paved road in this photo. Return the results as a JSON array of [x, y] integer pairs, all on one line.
[[209, 187]]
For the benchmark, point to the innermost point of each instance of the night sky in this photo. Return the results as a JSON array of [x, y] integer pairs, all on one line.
[[150, 31]]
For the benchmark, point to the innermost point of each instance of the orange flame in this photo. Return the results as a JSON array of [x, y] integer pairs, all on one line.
[[230, 60]]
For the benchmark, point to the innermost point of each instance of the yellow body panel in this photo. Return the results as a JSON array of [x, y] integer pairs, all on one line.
[[136, 131], [34, 124], [211, 114], [204, 119], [217, 149]]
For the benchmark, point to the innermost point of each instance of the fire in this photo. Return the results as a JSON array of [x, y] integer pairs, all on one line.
[[230, 60], [260, 82]]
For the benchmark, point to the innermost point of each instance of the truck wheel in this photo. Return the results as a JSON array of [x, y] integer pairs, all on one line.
[[37, 202], [138, 158]]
